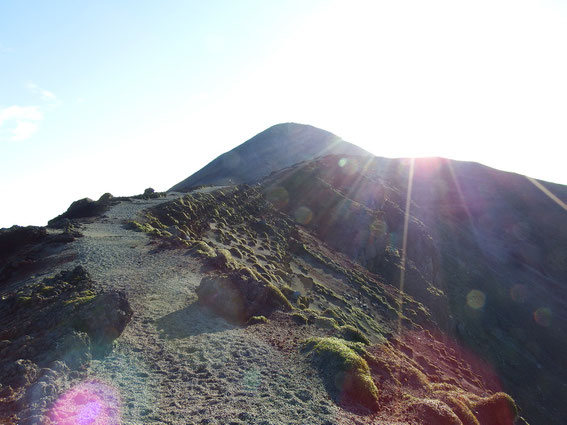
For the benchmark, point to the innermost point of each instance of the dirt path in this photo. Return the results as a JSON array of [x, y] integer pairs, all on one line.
[[176, 363]]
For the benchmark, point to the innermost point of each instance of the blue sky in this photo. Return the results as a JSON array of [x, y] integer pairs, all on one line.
[[116, 96]]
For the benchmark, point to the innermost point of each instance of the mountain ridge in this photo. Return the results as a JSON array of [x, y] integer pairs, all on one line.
[[324, 292]]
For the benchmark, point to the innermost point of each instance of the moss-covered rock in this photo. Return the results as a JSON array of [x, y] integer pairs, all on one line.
[[254, 320], [324, 322], [237, 296], [344, 371], [203, 249], [350, 333], [434, 412], [498, 409], [299, 318], [462, 411]]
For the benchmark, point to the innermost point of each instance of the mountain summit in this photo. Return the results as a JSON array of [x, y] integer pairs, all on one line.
[[277, 147]]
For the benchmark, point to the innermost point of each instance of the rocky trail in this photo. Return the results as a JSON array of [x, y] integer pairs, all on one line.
[[176, 362]]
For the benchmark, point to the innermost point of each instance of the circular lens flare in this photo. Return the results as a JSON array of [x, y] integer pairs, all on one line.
[[542, 316], [278, 196], [88, 403], [476, 299], [303, 215]]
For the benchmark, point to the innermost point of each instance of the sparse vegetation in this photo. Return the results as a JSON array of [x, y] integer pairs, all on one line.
[[263, 264], [254, 320], [79, 300], [350, 333], [324, 322], [203, 249], [299, 318], [462, 411]]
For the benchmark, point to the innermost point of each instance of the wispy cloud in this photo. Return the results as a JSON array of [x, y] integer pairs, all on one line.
[[45, 95], [19, 122]]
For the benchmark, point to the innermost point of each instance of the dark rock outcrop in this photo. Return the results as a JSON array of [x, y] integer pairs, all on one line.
[[83, 208], [24, 250], [59, 323], [104, 319], [17, 237]]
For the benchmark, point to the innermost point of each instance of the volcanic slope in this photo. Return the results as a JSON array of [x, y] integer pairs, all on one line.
[[241, 314], [271, 150], [324, 294]]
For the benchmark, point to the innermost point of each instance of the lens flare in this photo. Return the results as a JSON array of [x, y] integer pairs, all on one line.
[[303, 215], [342, 162], [88, 403], [542, 316], [476, 299], [278, 196]]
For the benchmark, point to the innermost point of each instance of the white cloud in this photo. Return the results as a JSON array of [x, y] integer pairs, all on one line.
[[24, 130], [45, 95], [20, 113], [19, 122]]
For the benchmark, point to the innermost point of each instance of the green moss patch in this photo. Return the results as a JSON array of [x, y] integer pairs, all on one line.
[[325, 322], [344, 371], [203, 249], [254, 320], [79, 300], [350, 333]]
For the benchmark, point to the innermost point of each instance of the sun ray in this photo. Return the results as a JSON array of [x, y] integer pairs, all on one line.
[[404, 250], [548, 193], [464, 204], [361, 174]]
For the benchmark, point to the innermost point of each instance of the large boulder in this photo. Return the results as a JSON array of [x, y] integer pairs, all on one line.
[[239, 295], [104, 319]]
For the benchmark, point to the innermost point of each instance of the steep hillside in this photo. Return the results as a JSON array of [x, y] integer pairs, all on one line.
[[273, 149], [485, 254]]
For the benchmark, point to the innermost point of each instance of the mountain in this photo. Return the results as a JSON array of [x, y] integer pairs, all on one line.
[[339, 289], [277, 147]]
